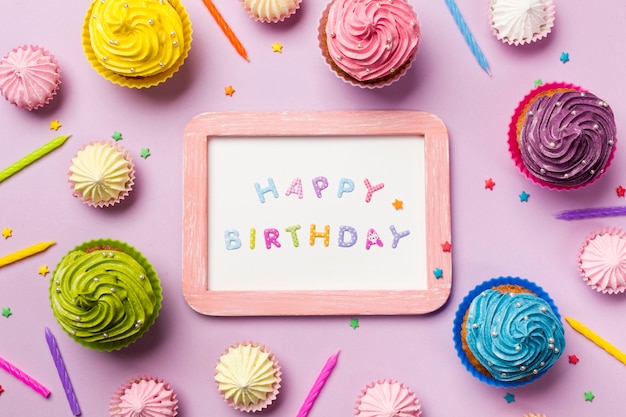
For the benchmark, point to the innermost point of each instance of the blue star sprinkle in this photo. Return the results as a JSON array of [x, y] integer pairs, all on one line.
[[438, 273], [564, 57], [510, 398], [523, 197]]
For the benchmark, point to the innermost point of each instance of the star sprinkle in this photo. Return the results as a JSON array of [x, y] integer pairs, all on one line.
[[145, 153], [589, 396], [354, 323], [523, 197], [276, 47], [573, 359], [446, 246], [510, 398], [397, 204], [564, 57], [55, 125], [1, 389], [620, 191], [7, 232], [43, 270], [489, 184], [229, 90], [6, 312], [116, 136], [438, 273], [537, 82]]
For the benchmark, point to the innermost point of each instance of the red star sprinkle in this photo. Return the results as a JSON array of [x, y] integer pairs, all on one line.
[[489, 184], [573, 359], [1, 389], [620, 191], [446, 246]]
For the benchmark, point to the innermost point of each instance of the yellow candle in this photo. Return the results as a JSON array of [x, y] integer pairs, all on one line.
[[33, 156], [595, 338], [26, 252]]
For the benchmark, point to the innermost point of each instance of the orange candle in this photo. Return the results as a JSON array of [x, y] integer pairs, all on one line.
[[226, 29]]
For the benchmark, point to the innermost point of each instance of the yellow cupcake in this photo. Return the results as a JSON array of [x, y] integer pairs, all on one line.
[[136, 43]]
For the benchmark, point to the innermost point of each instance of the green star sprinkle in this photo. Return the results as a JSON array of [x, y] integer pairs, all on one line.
[[354, 322], [538, 82], [6, 312], [145, 153], [116, 136], [589, 396]]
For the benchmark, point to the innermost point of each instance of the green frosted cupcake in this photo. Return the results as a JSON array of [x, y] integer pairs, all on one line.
[[105, 294]]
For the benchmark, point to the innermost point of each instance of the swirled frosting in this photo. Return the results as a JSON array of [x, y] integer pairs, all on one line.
[[136, 38], [247, 375], [602, 261], [521, 21], [145, 398], [567, 137], [370, 39], [271, 10], [102, 296], [513, 335], [29, 77], [100, 172], [388, 399]]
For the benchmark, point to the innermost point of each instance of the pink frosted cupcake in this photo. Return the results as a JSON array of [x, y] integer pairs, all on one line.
[[102, 174], [144, 397], [516, 22], [270, 11], [248, 376], [29, 77], [562, 137], [387, 398], [369, 43], [602, 260]]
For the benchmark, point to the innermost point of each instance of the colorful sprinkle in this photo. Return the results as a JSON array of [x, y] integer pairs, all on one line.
[[523, 197], [589, 396], [573, 359], [446, 246], [620, 191], [116, 136], [510, 398], [6, 312], [229, 90], [537, 82], [438, 273], [55, 125], [277, 47], [43, 270], [397, 204], [7, 232], [564, 57], [145, 153], [354, 322], [489, 184]]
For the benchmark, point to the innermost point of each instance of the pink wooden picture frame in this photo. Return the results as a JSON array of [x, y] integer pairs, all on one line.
[[310, 125]]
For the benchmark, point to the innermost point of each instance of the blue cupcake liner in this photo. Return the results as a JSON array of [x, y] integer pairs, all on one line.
[[460, 314]]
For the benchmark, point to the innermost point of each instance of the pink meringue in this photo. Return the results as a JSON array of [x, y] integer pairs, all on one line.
[[602, 260], [29, 77], [144, 397], [387, 398]]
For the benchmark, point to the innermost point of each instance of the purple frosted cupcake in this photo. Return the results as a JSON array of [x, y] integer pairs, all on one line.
[[508, 332], [562, 137]]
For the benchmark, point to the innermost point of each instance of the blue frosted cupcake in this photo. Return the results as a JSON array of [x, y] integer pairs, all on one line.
[[508, 332]]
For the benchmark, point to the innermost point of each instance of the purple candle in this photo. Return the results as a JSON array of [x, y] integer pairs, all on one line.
[[65, 378]]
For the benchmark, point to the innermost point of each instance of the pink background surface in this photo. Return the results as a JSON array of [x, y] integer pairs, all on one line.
[[493, 232]]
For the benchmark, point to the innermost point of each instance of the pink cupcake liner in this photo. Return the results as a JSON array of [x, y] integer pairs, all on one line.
[[257, 18], [271, 397], [50, 94], [586, 275], [129, 184], [374, 394], [513, 143], [386, 81], [116, 399], [546, 30]]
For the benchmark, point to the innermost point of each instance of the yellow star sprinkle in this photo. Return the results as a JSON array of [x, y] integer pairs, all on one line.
[[397, 204], [229, 90], [55, 125], [43, 270], [7, 233], [276, 47]]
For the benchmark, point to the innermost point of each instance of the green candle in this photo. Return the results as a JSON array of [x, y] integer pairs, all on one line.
[[33, 156]]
